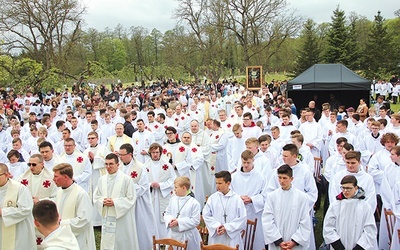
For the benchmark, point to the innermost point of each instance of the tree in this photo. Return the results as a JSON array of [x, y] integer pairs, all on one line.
[[45, 30], [309, 53], [338, 49], [377, 57], [258, 25]]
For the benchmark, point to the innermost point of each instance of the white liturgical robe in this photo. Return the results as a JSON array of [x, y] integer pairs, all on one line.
[[76, 209], [61, 238], [163, 173], [144, 208], [227, 210], [252, 184], [119, 224], [286, 217], [18, 214], [187, 211], [351, 221]]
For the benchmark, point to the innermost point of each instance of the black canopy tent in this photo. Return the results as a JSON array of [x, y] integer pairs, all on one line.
[[321, 80]]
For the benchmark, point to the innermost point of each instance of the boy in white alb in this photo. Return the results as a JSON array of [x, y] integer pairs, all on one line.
[[182, 215], [224, 213]]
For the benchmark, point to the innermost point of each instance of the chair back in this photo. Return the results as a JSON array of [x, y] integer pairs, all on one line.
[[249, 234], [218, 247], [168, 244], [317, 167], [203, 230], [390, 221]]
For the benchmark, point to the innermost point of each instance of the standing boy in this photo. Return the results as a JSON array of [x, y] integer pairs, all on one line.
[[286, 220], [224, 213], [182, 215]]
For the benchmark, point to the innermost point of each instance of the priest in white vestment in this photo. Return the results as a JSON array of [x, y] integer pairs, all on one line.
[[249, 184], [96, 154], [144, 209], [15, 214], [197, 162], [80, 163], [141, 140], [115, 199], [203, 142], [74, 206], [39, 180], [178, 153], [50, 159], [225, 214], [161, 176], [286, 220]]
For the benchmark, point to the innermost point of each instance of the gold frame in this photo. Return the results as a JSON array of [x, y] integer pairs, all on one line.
[[254, 77]]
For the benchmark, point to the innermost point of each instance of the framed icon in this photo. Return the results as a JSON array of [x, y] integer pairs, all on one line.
[[253, 77]]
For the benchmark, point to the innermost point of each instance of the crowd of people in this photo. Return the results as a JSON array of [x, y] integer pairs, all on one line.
[[144, 161]]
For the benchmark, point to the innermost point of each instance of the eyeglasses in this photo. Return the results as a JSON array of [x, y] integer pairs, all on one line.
[[346, 188], [31, 164], [3, 174], [169, 133]]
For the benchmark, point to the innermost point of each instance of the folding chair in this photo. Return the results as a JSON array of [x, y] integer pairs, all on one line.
[[218, 247], [168, 244]]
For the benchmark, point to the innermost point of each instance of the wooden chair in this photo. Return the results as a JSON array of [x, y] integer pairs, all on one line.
[[218, 247], [249, 234], [203, 230], [390, 221], [398, 234], [168, 244], [317, 168]]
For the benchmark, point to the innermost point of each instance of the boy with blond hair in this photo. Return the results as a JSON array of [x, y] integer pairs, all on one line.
[[182, 215]]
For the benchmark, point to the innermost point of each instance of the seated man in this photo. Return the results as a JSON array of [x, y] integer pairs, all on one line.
[[47, 222], [349, 222]]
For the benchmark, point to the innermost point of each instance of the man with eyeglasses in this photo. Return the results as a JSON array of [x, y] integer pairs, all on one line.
[[349, 222], [144, 214], [39, 181], [115, 199], [353, 167], [96, 153], [178, 153], [16, 230], [79, 161]]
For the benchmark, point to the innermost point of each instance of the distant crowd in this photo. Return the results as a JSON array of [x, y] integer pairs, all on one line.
[[169, 158]]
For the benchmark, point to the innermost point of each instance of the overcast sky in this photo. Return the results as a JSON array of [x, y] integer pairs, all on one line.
[[158, 13]]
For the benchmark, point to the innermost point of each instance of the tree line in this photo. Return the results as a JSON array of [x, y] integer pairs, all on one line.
[[44, 44]]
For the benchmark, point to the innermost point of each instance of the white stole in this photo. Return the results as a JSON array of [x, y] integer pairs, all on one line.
[[10, 200], [108, 213], [69, 205]]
